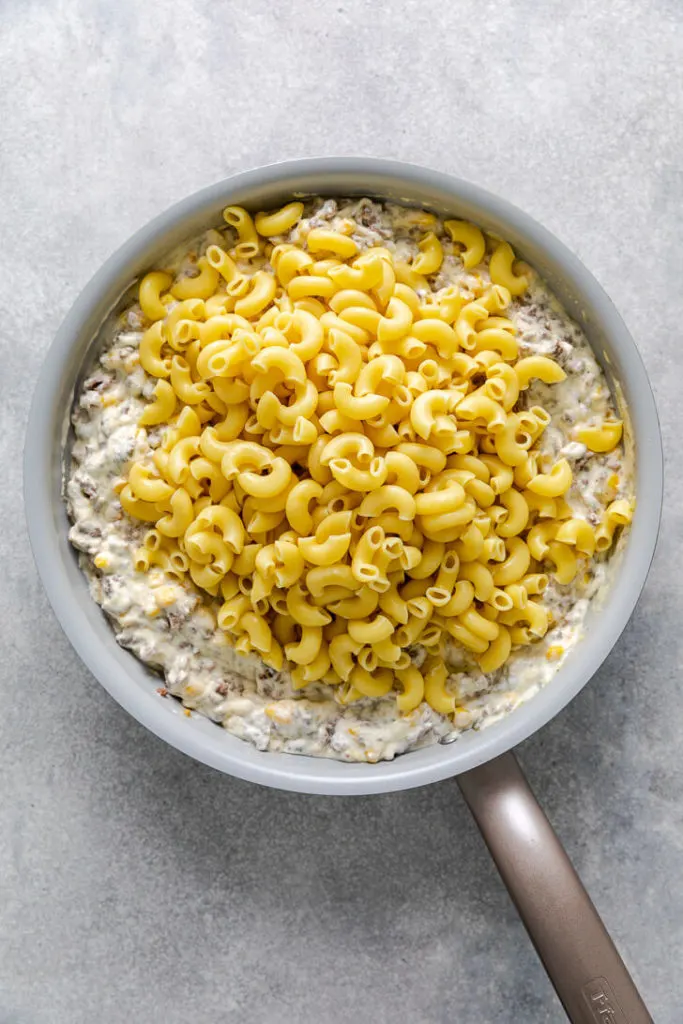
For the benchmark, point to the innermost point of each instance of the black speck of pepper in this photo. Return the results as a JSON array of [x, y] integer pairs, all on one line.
[[109, 584], [175, 620], [368, 216], [330, 727], [89, 529], [98, 382]]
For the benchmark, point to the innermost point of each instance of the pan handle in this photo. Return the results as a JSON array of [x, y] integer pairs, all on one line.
[[581, 960]]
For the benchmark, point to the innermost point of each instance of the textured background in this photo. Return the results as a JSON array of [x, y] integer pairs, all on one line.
[[137, 885]]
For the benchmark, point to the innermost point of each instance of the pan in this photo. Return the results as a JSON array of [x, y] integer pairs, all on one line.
[[581, 960]]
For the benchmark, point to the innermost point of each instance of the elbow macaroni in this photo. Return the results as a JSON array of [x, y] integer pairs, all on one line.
[[332, 465]]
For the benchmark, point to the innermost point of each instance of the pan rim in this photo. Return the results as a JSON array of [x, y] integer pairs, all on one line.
[[129, 682]]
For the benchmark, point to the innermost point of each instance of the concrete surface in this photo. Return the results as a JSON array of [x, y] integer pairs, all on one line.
[[136, 885]]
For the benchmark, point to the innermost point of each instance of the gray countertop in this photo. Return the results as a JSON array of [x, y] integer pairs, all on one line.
[[137, 885]]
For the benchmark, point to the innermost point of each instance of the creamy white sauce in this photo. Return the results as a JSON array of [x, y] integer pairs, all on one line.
[[174, 630]]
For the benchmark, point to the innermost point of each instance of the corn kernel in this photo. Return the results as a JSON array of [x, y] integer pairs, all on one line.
[[108, 400], [101, 562], [277, 714], [187, 712], [554, 652], [152, 613], [347, 226], [165, 596], [613, 481]]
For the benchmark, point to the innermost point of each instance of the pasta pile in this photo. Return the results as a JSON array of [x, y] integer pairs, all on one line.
[[342, 463]]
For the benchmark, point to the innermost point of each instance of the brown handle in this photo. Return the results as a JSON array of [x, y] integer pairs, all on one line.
[[581, 960]]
